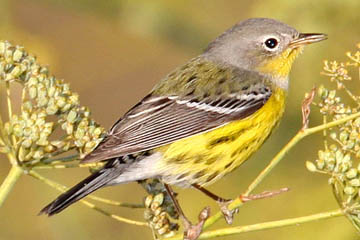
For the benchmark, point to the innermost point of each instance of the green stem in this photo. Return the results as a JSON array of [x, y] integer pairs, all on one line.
[[10, 112], [8, 184], [3, 135], [266, 225], [116, 203], [299, 136], [63, 166], [279, 156], [61, 188], [62, 159], [330, 124]]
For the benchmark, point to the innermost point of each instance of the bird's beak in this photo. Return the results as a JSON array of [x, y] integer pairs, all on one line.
[[307, 38]]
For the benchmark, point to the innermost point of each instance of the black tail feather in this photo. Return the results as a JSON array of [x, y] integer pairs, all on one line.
[[79, 191]]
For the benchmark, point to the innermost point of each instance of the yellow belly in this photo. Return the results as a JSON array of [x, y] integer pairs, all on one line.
[[204, 158]]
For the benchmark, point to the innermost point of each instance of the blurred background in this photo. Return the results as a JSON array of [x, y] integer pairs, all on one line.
[[112, 53]]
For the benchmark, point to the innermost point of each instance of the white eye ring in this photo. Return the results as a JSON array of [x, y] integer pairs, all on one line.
[[271, 43]]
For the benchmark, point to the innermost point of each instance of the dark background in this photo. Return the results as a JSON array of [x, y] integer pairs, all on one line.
[[113, 52]]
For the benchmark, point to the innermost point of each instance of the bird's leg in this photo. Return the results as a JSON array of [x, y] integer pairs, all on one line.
[[191, 232], [222, 202]]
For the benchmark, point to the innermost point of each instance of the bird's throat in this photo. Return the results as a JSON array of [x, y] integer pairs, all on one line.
[[279, 67]]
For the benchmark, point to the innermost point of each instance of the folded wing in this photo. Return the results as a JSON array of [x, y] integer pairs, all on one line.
[[158, 121]]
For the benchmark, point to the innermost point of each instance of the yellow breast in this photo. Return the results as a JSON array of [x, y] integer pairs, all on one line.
[[206, 157]]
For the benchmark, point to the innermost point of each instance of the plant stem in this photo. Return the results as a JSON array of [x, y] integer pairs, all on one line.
[[63, 166], [8, 98], [115, 203], [266, 225], [114, 216], [8, 184], [330, 124], [2, 130], [299, 136], [88, 204], [278, 157]]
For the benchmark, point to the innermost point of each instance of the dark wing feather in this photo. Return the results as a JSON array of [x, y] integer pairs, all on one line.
[[157, 121]]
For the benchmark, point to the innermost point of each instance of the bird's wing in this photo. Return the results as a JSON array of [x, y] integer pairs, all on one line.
[[160, 120]]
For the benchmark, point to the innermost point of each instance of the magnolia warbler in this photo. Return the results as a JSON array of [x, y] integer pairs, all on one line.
[[205, 118]]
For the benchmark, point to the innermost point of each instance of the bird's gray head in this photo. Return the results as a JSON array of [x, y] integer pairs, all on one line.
[[260, 44]]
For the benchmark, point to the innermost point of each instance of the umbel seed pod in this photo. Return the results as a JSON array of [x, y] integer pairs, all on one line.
[[340, 158], [44, 96]]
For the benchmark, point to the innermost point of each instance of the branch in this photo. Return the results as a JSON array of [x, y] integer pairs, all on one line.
[[8, 98], [331, 124], [9, 182], [63, 166], [305, 108], [96, 198], [2, 131], [116, 203], [266, 225], [48, 161], [299, 136], [88, 204]]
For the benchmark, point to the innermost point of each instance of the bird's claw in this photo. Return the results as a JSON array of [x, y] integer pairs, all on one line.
[[192, 232], [228, 214]]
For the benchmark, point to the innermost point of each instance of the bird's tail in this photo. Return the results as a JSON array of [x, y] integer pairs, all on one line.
[[88, 185]]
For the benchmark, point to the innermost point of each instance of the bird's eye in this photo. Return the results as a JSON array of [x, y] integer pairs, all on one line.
[[271, 43]]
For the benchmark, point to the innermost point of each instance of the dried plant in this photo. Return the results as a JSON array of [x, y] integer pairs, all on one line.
[[28, 135], [340, 158], [52, 130]]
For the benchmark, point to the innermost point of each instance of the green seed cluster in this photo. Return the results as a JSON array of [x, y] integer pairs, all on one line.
[[157, 217], [340, 158], [331, 104], [51, 121], [159, 209]]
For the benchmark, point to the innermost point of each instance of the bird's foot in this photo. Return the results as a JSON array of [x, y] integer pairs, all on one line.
[[192, 232], [228, 214]]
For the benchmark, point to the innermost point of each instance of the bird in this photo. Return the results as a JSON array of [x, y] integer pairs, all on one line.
[[205, 118]]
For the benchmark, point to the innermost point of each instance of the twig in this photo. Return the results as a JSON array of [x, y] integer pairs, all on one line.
[[45, 162], [62, 166], [114, 216], [279, 156], [352, 96], [62, 188], [2, 131], [9, 182], [96, 198], [321, 127], [1, 140], [8, 98], [305, 108], [266, 194], [266, 225], [325, 134], [3, 135], [115, 203], [62, 159]]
